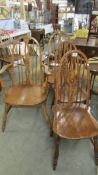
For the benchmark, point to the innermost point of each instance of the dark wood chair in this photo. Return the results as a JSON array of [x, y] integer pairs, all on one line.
[[93, 65], [28, 84], [72, 118]]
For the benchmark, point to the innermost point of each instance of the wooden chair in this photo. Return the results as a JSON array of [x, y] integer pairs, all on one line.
[[93, 64], [55, 39], [6, 51], [28, 85], [2, 71], [56, 50], [72, 118], [68, 46]]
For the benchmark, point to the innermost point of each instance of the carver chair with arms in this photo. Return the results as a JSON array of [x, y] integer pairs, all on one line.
[[72, 118], [28, 84], [6, 51]]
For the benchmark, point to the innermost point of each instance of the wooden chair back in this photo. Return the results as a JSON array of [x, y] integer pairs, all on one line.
[[5, 51], [63, 47], [72, 78], [68, 46], [32, 72], [55, 46], [55, 39], [53, 42]]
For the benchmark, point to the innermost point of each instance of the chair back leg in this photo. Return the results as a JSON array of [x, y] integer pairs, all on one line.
[[6, 110], [96, 149], [56, 151]]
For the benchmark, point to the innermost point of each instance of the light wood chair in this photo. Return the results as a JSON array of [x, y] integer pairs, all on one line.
[[6, 53], [59, 44], [55, 40], [72, 118], [68, 46], [28, 84]]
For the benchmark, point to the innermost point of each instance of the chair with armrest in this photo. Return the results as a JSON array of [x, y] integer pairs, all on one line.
[[6, 51], [28, 84], [72, 118]]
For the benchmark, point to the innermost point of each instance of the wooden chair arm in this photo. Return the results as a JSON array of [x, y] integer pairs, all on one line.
[[46, 69], [4, 68]]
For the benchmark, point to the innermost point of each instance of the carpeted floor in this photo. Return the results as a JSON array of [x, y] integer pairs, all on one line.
[[27, 149]]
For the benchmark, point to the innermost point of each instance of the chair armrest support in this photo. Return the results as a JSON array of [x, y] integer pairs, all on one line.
[[4, 68]]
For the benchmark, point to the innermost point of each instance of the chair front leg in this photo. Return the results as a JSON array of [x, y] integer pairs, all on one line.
[[56, 151], [47, 118], [96, 149], [6, 110]]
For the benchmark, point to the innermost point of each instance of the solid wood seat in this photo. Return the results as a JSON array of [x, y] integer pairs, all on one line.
[[74, 122], [29, 85], [72, 118], [26, 95]]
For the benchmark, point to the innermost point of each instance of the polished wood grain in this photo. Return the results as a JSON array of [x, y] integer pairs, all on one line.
[[28, 84], [72, 118]]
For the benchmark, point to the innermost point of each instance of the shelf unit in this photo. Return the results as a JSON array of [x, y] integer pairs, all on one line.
[[65, 14]]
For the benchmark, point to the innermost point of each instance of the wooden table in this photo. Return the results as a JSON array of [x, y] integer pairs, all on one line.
[[90, 48], [94, 74]]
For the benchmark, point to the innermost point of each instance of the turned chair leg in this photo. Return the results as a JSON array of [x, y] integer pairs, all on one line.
[[53, 102], [6, 110], [93, 76], [51, 131], [47, 118], [96, 149], [56, 152]]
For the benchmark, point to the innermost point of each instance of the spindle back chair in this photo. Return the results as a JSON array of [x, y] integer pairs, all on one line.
[[72, 86], [72, 118], [28, 84]]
